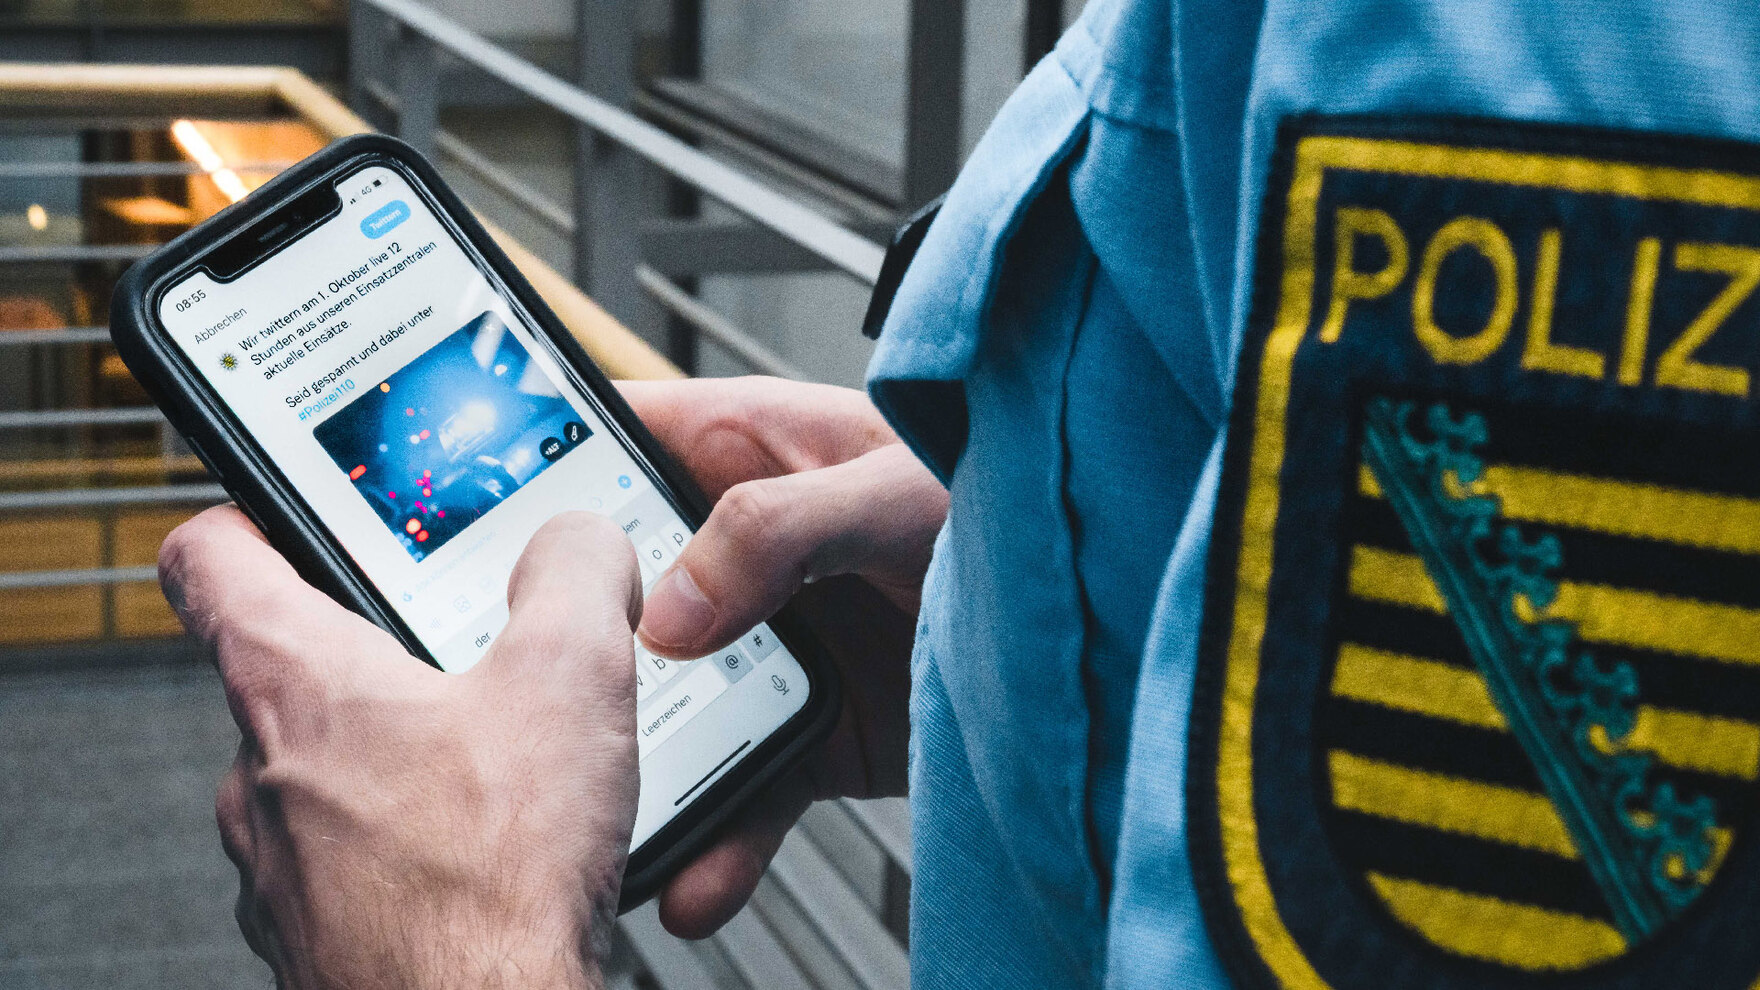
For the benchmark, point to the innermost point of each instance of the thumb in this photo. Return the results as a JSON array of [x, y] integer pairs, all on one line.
[[766, 537], [572, 600]]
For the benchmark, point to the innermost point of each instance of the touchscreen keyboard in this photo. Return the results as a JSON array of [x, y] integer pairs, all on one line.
[[670, 693]]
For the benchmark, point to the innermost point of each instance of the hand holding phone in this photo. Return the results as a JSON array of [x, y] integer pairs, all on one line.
[[349, 812], [824, 488], [383, 393]]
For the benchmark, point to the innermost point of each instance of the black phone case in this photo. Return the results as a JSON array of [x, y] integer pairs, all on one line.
[[266, 496]]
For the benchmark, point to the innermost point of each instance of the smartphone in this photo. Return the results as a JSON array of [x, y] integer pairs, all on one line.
[[382, 392]]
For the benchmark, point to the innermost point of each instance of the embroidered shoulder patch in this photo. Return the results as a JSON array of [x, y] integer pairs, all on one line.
[[1478, 701]]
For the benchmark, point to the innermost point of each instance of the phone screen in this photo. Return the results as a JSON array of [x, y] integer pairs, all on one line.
[[433, 432]]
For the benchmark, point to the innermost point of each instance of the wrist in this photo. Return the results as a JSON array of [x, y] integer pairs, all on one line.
[[510, 949], [519, 959], [561, 971]]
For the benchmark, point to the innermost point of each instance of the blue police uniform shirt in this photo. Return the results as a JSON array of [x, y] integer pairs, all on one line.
[[1061, 353]]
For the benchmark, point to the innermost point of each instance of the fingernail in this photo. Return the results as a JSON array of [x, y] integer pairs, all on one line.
[[677, 613]]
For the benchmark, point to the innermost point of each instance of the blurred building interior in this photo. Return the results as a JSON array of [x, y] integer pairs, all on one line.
[[716, 176]]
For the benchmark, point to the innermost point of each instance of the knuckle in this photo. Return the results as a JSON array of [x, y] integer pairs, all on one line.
[[564, 541], [540, 634], [193, 537], [179, 559], [250, 649], [252, 702], [187, 556], [748, 512], [271, 672]]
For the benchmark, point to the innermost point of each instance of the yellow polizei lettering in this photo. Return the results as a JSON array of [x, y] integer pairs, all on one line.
[[1540, 353], [1450, 804], [1494, 929], [1634, 346], [1621, 508], [1348, 283], [1707, 743], [1676, 367], [1485, 238], [1617, 616]]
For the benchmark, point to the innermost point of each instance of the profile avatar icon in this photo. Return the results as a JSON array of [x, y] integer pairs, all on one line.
[[229, 361]]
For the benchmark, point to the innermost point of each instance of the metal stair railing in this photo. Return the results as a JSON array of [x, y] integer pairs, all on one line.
[[837, 244], [421, 41]]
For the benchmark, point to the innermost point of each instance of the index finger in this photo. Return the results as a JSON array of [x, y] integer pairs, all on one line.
[[573, 601]]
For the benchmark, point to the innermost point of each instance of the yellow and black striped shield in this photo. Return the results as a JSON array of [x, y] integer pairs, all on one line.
[[1479, 691]]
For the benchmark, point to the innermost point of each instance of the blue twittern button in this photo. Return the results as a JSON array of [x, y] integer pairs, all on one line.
[[385, 218]]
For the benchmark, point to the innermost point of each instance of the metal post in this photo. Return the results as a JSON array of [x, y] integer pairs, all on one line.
[[1044, 26], [170, 441], [611, 189], [93, 15], [935, 99], [362, 20], [684, 61], [418, 90]]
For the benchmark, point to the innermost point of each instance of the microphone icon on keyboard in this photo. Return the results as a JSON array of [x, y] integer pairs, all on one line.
[[778, 683]]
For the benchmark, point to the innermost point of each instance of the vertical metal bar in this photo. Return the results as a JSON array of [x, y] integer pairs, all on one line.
[[935, 99], [169, 441], [1044, 26], [685, 42], [362, 19], [94, 40], [106, 518], [418, 90], [685, 61], [610, 185]]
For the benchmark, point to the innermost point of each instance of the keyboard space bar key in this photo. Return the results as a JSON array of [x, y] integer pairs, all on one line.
[[675, 703]]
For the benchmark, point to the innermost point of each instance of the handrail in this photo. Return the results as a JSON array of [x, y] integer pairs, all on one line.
[[49, 253], [159, 465], [85, 498], [55, 335], [714, 326], [837, 244], [123, 170], [504, 182], [76, 577], [25, 419]]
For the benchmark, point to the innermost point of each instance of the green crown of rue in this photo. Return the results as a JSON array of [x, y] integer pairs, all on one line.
[[1650, 850]]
